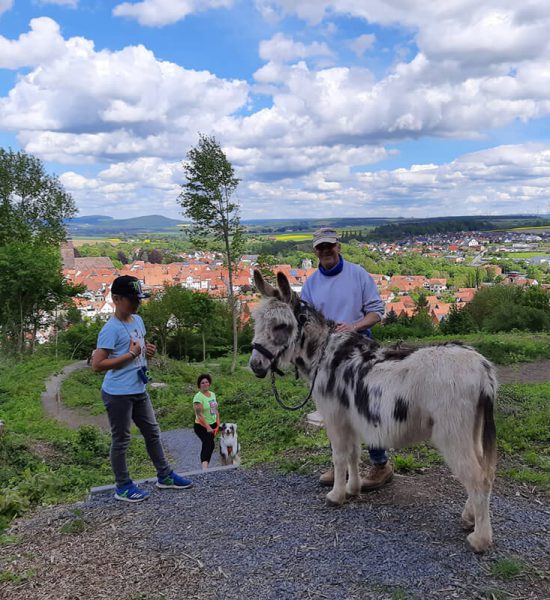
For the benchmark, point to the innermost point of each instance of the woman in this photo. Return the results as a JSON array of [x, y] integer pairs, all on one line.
[[207, 417]]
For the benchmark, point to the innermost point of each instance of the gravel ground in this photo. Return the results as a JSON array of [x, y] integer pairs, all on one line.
[[184, 448], [249, 534]]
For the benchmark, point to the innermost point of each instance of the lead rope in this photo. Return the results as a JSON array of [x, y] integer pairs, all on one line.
[[304, 402]]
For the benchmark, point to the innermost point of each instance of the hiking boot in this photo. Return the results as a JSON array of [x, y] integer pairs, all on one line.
[[327, 478], [174, 481], [377, 476], [130, 493]]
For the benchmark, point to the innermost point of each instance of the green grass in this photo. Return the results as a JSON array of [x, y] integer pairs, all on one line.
[[500, 348], [507, 568], [8, 576], [41, 461]]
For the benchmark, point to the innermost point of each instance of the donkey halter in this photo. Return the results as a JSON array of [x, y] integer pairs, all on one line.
[[301, 318]]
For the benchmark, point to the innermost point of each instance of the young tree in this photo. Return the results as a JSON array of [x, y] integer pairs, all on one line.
[[206, 199], [33, 204]]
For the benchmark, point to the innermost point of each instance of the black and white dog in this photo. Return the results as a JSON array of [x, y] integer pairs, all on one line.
[[229, 445]]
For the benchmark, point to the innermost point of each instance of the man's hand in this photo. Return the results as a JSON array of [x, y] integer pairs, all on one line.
[[150, 350], [344, 327]]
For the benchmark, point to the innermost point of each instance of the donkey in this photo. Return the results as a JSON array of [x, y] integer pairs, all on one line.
[[386, 397]]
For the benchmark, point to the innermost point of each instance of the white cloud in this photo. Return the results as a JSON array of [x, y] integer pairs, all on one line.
[[362, 43], [281, 48], [156, 13], [82, 105], [5, 5], [42, 43]]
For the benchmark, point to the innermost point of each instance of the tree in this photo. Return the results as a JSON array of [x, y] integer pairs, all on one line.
[[458, 321], [155, 257], [33, 204], [33, 209], [31, 287], [206, 199]]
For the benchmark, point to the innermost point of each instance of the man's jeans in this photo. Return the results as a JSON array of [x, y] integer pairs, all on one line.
[[122, 410], [378, 456]]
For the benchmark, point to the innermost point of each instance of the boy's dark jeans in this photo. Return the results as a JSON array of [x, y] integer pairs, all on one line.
[[122, 410]]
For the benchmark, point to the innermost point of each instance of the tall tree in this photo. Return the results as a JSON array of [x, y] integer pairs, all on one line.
[[33, 204], [207, 199], [33, 209]]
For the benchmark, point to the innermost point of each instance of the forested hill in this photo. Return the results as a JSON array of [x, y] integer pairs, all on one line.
[[101, 225], [397, 230]]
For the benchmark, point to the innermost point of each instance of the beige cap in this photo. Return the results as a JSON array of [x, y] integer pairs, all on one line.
[[325, 235]]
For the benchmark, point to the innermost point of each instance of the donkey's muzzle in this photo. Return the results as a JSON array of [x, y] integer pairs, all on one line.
[[258, 364]]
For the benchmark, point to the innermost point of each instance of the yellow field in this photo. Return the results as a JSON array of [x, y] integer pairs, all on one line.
[[293, 237]]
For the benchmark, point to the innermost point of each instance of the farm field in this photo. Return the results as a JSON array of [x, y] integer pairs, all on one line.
[[528, 254], [96, 240]]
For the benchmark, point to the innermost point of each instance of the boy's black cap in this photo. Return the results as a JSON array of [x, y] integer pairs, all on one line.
[[129, 287]]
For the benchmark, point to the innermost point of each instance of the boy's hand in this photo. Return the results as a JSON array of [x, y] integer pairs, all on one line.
[[135, 347], [150, 350]]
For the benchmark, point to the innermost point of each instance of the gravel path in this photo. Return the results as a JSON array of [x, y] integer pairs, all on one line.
[[184, 448], [256, 535]]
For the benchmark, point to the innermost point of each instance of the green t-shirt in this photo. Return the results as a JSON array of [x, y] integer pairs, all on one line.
[[209, 406]]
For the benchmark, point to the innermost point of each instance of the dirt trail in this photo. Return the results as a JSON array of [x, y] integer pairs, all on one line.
[[530, 372], [53, 406]]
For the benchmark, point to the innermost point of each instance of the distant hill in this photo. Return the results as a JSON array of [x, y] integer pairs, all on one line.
[[99, 225]]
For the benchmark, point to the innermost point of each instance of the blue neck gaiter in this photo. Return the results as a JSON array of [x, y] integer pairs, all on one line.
[[335, 270]]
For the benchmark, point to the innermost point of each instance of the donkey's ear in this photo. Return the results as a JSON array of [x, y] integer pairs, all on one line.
[[284, 287], [262, 286]]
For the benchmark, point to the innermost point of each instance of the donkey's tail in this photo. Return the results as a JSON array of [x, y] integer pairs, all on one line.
[[487, 429]]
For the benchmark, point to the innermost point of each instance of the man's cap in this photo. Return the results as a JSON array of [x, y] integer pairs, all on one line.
[[325, 235], [129, 287]]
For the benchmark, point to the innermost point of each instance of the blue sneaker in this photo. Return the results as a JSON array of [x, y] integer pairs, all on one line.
[[130, 493], [175, 481]]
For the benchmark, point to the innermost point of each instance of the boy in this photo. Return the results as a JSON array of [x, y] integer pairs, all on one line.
[[122, 352]]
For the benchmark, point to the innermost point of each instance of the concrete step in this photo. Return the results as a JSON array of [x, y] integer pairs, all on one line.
[[103, 489]]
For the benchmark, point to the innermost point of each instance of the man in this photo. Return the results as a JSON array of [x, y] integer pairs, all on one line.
[[344, 292], [123, 352]]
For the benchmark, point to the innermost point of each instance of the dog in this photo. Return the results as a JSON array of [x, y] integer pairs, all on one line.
[[230, 448]]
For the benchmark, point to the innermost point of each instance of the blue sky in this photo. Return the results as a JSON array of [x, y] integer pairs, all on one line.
[[324, 108]]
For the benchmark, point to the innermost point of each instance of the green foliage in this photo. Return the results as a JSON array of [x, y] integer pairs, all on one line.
[[523, 430], [507, 307], [33, 204], [459, 320], [40, 460], [79, 340], [206, 200], [507, 568], [31, 284]]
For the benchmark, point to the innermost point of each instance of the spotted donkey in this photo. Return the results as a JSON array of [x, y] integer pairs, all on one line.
[[387, 398]]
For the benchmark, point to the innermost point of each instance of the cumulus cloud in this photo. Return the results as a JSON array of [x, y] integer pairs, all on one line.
[[82, 105], [41, 44], [141, 185], [500, 180], [5, 5], [281, 48], [362, 43], [157, 13]]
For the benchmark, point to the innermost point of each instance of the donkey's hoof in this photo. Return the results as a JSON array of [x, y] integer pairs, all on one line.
[[334, 499], [478, 543], [351, 492]]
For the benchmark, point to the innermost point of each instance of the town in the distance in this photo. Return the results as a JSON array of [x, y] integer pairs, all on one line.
[[438, 269]]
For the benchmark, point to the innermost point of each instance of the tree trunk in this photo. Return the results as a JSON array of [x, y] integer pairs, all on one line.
[[203, 346], [232, 302]]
